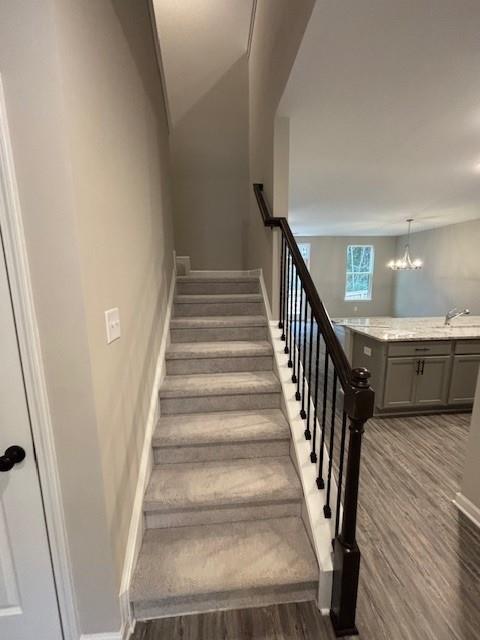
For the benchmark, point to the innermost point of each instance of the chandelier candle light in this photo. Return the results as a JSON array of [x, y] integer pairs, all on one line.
[[406, 263]]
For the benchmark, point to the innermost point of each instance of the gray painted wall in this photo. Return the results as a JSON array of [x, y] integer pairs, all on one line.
[[90, 146], [278, 31], [327, 267], [210, 174], [450, 276]]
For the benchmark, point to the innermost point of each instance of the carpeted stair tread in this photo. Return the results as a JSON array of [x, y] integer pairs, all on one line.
[[222, 427], [184, 562], [222, 483], [230, 349], [215, 384]]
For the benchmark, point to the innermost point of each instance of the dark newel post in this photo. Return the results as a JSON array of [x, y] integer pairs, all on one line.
[[346, 561]]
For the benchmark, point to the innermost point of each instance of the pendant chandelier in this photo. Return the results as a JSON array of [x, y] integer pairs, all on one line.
[[405, 263]]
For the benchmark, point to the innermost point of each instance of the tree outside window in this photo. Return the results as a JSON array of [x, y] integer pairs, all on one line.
[[359, 276]]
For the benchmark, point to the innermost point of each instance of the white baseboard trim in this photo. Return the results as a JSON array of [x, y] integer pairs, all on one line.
[[321, 528], [467, 507], [135, 533], [115, 635]]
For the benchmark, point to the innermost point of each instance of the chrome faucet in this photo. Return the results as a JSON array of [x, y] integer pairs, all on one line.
[[455, 313]]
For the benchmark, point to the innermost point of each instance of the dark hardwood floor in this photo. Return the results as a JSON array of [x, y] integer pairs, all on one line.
[[420, 574], [284, 622]]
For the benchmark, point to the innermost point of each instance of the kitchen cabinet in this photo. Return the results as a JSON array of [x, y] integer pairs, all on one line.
[[400, 382], [431, 387], [464, 379], [416, 382]]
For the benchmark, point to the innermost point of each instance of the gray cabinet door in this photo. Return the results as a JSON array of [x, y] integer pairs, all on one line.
[[400, 382], [432, 381], [464, 379]]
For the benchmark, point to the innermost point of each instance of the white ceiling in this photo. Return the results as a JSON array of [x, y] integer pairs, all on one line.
[[199, 41], [384, 107]]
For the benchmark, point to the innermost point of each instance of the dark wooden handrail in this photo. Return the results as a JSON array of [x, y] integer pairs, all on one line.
[[348, 379], [358, 407]]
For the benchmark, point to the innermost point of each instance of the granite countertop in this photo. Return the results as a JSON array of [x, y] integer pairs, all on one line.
[[389, 329]]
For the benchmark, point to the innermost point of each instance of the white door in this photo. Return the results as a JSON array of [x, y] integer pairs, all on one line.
[[28, 603]]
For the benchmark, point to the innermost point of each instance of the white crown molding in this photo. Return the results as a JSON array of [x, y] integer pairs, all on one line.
[[11, 226]]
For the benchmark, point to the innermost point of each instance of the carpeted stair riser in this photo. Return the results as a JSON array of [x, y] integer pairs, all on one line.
[[189, 518], [224, 402], [187, 286], [244, 599], [193, 309], [220, 451], [219, 365], [218, 334]]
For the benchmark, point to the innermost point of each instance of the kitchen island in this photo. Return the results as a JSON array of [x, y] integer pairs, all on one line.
[[418, 365]]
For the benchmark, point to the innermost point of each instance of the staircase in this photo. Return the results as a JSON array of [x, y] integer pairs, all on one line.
[[222, 510]]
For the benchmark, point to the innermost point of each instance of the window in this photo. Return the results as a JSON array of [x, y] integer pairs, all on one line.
[[358, 285], [305, 252]]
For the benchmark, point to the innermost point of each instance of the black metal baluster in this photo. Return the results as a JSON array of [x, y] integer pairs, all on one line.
[[282, 291], [285, 291], [299, 342], [327, 509], [320, 481], [290, 307], [303, 414], [294, 319], [313, 455], [340, 472]]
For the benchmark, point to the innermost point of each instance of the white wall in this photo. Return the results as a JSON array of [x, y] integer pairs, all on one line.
[[450, 276], [328, 271]]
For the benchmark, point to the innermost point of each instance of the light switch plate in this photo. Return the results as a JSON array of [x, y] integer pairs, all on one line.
[[112, 323], [367, 351]]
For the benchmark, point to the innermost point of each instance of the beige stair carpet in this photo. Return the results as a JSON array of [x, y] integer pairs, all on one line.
[[222, 510]]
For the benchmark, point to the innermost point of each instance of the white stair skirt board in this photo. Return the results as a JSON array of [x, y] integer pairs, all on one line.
[[136, 529], [467, 507], [322, 529]]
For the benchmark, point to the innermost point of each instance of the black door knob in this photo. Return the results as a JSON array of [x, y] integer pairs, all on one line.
[[12, 456]]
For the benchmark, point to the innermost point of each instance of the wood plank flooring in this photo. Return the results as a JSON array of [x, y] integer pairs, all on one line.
[[420, 574], [300, 621]]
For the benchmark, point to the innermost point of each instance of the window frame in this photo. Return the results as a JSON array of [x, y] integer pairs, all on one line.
[[370, 273], [309, 245]]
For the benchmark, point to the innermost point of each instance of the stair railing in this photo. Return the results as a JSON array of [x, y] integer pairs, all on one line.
[[324, 382]]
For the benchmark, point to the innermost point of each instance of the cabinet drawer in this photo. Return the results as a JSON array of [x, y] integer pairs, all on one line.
[[420, 349], [467, 346]]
